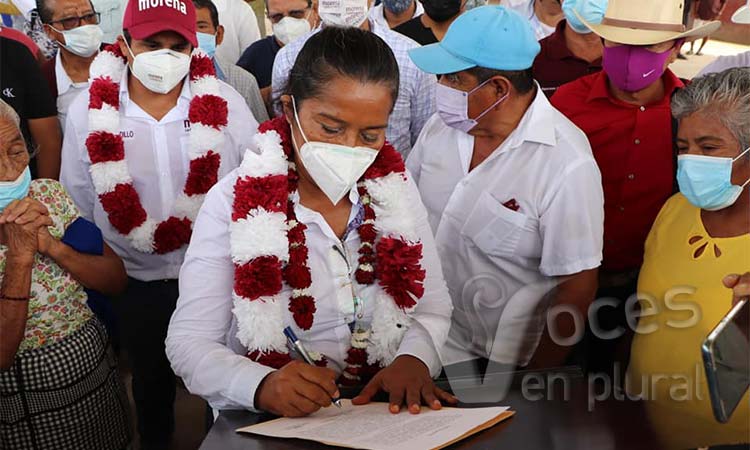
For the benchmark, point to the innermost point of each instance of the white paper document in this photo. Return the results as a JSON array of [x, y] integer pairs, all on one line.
[[373, 427]]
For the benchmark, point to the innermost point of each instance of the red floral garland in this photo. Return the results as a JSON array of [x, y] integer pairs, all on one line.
[[395, 263], [106, 151]]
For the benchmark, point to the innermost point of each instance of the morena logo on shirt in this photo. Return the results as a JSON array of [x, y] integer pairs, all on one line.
[[176, 4]]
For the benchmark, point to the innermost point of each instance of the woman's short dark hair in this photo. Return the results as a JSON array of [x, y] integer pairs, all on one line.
[[335, 51]]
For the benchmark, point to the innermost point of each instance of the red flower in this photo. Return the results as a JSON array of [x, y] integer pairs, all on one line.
[[172, 234], [297, 234], [104, 146], [366, 258], [400, 273], [267, 192], [277, 360], [367, 233], [388, 161], [104, 90], [203, 174], [303, 310], [369, 213], [298, 255], [364, 277], [209, 110], [322, 362], [281, 126], [297, 276], [257, 278], [123, 207], [201, 66], [115, 49], [356, 356]]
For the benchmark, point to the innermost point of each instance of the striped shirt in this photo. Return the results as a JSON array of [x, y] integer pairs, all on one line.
[[416, 93]]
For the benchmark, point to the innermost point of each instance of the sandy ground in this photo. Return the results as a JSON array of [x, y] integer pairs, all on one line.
[[690, 67]]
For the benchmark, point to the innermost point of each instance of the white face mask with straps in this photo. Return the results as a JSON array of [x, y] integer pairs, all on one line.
[[334, 168], [160, 70], [343, 13], [83, 41]]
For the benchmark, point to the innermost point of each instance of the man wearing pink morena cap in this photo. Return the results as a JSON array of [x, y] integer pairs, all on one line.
[[143, 145]]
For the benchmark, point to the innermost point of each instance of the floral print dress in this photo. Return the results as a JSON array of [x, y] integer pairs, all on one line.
[[57, 306]]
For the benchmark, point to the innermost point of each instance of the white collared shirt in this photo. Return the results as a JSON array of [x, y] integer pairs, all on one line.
[[499, 262], [526, 9], [240, 28], [726, 62], [378, 15], [157, 156], [416, 92], [67, 90], [202, 344]]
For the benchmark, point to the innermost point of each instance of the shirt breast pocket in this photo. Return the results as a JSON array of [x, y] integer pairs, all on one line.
[[494, 228]]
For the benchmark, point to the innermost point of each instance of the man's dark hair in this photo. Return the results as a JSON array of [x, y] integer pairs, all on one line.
[[336, 51], [199, 4], [45, 12], [309, 4], [522, 80]]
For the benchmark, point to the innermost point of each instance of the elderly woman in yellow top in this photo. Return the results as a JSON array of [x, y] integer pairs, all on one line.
[[701, 235], [59, 385]]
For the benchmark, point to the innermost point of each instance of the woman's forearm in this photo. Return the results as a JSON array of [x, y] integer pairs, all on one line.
[[104, 273], [13, 312]]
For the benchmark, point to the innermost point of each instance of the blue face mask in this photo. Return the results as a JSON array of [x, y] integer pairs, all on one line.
[[14, 190], [592, 11], [207, 43], [706, 181]]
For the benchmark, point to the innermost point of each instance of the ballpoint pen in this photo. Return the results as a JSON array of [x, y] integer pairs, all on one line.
[[297, 345]]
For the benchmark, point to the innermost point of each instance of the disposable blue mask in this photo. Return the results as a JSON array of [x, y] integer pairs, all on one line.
[[14, 190], [592, 11], [207, 43], [706, 181]]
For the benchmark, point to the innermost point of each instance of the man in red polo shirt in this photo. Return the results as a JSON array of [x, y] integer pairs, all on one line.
[[572, 51], [624, 110]]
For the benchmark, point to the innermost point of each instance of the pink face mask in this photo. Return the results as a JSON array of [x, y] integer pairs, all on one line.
[[633, 68]]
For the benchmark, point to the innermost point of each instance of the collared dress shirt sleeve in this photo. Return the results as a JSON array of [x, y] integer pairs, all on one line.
[[572, 223], [74, 168], [432, 315], [199, 332]]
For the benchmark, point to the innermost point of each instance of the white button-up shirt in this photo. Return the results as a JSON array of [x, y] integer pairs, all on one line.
[[500, 262], [202, 342], [526, 9], [157, 156], [416, 93], [67, 90], [378, 15], [240, 28]]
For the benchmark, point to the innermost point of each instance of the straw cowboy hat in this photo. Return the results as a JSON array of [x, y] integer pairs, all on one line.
[[742, 15], [646, 22]]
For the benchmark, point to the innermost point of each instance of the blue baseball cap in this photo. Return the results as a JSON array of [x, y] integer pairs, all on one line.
[[492, 37]]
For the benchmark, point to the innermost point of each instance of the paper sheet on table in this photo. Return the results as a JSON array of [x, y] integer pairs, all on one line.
[[373, 427]]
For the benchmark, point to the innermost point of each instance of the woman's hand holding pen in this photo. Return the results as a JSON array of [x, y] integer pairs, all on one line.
[[297, 389]]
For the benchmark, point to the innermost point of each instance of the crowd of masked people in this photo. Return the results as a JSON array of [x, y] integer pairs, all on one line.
[[407, 186]]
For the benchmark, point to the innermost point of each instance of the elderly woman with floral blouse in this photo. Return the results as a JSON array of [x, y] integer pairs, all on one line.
[[59, 384]]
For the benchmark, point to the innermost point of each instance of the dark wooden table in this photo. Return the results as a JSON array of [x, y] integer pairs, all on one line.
[[544, 420]]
